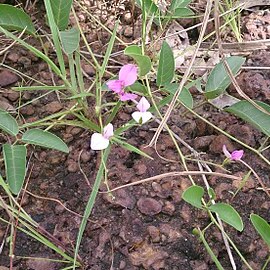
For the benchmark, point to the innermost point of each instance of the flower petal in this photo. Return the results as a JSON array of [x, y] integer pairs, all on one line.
[[108, 131], [143, 105], [237, 154], [146, 116], [127, 96], [116, 85], [128, 74], [226, 152], [98, 142], [141, 117], [137, 116]]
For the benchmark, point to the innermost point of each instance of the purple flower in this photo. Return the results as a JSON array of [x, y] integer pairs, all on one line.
[[142, 115], [101, 141], [127, 76], [235, 155]]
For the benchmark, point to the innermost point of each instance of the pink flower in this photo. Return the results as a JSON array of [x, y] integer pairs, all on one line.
[[142, 115], [235, 155], [127, 76], [101, 141]]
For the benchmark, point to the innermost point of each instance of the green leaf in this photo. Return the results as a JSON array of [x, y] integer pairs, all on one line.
[[180, 13], [55, 35], [143, 61], [252, 115], [81, 95], [193, 195], [179, 4], [45, 139], [262, 227], [8, 123], [137, 87], [228, 214], [166, 65], [133, 49], [61, 10], [13, 18], [108, 51], [149, 6], [70, 40], [219, 79], [15, 165], [185, 97], [131, 148]]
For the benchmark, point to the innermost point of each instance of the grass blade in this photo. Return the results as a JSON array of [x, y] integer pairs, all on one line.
[[91, 202]]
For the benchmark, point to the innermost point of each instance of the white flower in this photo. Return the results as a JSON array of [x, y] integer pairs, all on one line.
[[101, 141], [142, 116]]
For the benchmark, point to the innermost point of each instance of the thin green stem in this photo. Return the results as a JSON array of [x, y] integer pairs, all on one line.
[[229, 239], [266, 263]]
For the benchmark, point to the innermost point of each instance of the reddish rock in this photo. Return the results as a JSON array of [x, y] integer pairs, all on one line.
[[218, 142], [13, 57], [148, 257], [53, 107], [7, 78], [140, 168], [121, 197], [149, 206], [154, 233], [27, 110], [168, 208]]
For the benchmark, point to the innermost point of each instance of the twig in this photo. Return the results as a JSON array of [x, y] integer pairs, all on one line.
[[81, 170], [218, 218], [185, 77], [173, 174]]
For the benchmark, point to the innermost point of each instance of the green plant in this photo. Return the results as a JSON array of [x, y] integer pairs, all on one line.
[[166, 81]]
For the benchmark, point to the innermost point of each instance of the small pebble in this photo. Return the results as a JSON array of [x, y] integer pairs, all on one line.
[[149, 206], [53, 107], [154, 234], [72, 167], [7, 78], [128, 32]]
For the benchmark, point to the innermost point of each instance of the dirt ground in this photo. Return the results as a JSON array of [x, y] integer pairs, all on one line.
[[147, 226]]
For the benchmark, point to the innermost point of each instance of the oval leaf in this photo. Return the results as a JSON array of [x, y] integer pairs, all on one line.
[[8, 123], [262, 227], [44, 138], [137, 87], [166, 65], [228, 214], [185, 97], [219, 79], [15, 165], [61, 10], [70, 40], [13, 18], [179, 4], [193, 195], [143, 61], [180, 13], [252, 115]]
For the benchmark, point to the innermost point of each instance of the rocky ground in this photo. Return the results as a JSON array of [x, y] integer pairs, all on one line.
[[147, 226]]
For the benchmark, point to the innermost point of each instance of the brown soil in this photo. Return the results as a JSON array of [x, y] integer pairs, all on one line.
[[147, 226]]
